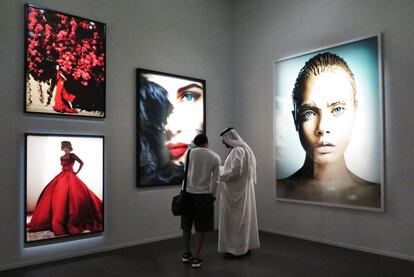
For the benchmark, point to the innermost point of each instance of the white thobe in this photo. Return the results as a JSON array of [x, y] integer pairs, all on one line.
[[238, 231]]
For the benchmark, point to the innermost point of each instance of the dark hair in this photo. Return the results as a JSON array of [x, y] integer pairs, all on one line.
[[315, 66], [200, 140], [154, 109], [66, 144]]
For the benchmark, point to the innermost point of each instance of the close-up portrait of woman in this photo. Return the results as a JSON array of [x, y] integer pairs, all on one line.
[[328, 142], [171, 115]]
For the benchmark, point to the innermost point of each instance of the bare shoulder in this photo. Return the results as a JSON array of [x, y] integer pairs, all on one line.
[[292, 185], [366, 189]]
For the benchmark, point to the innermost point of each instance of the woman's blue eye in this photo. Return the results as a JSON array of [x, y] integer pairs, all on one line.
[[190, 97], [307, 115], [338, 110]]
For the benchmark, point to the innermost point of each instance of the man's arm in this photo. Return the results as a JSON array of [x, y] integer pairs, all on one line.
[[215, 177], [235, 167]]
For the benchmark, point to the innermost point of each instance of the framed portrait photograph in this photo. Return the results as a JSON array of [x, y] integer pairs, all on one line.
[[64, 186], [329, 126], [64, 62], [171, 112]]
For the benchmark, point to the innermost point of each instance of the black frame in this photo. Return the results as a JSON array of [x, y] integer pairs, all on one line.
[[25, 74], [142, 71], [62, 238]]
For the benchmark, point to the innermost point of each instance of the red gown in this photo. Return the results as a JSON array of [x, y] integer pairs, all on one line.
[[66, 205], [62, 94]]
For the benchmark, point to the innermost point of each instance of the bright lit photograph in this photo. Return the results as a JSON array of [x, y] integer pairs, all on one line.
[[328, 126], [64, 186]]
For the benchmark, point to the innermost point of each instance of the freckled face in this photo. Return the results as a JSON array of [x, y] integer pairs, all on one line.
[[187, 118], [326, 116]]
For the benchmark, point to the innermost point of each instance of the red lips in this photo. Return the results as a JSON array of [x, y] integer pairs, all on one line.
[[177, 149]]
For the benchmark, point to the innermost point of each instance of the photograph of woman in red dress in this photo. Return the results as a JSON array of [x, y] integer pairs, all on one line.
[[63, 99], [64, 63], [66, 206]]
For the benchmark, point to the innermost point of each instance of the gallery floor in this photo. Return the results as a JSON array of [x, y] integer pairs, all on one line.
[[278, 256]]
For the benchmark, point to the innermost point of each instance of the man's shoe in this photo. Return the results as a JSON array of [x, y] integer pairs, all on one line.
[[187, 257], [196, 263]]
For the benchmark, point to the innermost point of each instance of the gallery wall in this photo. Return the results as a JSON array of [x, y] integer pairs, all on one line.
[[266, 31], [186, 37], [196, 38]]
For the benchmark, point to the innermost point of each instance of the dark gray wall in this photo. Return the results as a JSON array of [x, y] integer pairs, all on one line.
[[187, 37], [196, 38], [267, 30]]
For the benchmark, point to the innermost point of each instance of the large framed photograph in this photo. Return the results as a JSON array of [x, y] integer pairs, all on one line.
[[64, 64], [171, 112], [329, 127], [64, 186]]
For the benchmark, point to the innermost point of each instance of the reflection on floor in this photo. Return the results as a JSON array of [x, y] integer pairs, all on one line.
[[278, 256]]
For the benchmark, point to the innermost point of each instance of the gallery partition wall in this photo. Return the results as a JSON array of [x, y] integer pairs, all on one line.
[[70, 121]]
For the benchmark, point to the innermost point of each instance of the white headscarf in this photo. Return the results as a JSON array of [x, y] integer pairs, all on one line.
[[232, 138]]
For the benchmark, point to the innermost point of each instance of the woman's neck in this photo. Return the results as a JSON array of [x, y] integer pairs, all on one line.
[[333, 171]]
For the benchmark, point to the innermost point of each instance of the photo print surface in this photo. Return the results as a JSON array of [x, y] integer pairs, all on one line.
[[64, 64], [64, 186], [328, 126], [171, 112]]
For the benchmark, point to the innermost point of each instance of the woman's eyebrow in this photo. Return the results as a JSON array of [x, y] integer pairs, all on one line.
[[340, 102], [308, 106], [182, 90]]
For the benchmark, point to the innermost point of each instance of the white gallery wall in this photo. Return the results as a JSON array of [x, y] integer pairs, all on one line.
[[267, 30], [185, 37]]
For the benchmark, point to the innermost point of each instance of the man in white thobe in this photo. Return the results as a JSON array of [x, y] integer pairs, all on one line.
[[238, 231]]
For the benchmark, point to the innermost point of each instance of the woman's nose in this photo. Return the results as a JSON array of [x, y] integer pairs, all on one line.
[[171, 134], [323, 125], [173, 126]]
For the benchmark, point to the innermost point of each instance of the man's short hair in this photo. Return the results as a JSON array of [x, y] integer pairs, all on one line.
[[200, 140]]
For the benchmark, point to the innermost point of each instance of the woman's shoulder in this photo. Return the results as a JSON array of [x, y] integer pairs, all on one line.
[[72, 157], [294, 178], [366, 190], [362, 183], [294, 181]]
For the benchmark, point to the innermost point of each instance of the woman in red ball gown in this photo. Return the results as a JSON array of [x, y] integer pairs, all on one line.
[[66, 205], [63, 99]]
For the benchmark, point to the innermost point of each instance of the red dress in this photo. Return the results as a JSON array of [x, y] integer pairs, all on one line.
[[66, 205], [62, 94]]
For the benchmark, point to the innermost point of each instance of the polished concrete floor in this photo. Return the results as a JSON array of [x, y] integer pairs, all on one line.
[[278, 256]]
